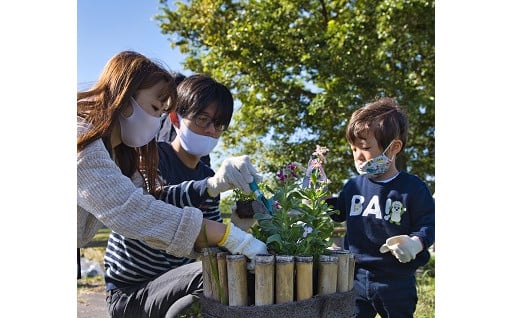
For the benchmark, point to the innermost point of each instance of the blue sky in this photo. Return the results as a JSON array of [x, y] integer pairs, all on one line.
[[106, 27]]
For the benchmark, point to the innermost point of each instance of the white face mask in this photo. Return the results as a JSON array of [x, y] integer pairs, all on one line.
[[140, 128], [195, 144]]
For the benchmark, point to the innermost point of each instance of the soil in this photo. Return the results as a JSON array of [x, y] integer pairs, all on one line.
[[246, 209], [91, 304], [90, 300]]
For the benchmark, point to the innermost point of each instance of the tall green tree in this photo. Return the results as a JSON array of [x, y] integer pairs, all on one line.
[[300, 68]]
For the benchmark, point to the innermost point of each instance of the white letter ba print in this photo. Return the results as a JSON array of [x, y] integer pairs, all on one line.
[[356, 206]]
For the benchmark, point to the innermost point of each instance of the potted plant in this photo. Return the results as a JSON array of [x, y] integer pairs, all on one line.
[[300, 223], [243, 203]]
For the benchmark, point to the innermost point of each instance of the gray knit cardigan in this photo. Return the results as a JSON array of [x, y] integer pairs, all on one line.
[[106, 196]]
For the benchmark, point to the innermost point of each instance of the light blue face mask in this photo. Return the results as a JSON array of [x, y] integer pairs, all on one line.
[[377, 166]]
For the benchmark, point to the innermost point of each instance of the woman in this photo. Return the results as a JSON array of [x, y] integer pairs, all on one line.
[[117, 160]]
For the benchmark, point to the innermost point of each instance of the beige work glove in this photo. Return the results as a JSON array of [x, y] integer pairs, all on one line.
[[240, 242], [403, 247], [235, 172]]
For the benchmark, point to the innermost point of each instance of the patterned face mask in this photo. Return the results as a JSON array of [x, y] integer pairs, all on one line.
[[377, 166]]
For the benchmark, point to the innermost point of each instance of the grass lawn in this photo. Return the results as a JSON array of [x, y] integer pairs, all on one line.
[[95, 251]]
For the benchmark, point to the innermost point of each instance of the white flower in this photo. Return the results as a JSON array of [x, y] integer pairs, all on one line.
[[306, 229]]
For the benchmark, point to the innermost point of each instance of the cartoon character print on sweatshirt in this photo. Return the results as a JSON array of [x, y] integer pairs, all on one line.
[[394, 211]]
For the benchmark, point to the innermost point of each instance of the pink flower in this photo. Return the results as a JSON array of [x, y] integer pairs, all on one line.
[[316, 163], [319, 152]]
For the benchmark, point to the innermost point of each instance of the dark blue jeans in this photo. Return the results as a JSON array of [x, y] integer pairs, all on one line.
[[168, 295], [390, 297]]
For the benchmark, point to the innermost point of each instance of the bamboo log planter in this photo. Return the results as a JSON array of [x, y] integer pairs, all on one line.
[[279, 286]]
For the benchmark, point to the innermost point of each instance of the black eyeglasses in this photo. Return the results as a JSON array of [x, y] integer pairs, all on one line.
[[204, 121]]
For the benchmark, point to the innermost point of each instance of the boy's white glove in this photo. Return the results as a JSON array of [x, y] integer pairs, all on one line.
[[240, 242], [235, 172], [403, 247]]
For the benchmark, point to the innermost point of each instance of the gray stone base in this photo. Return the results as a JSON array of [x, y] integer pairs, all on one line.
[[337, 305]]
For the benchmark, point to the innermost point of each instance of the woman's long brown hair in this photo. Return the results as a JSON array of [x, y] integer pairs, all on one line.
[[102, 104]]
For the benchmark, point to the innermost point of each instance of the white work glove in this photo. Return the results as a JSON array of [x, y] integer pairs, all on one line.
[[235, 172], [403, 247], [240, 242]]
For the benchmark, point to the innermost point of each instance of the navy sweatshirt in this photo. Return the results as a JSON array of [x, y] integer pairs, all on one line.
[[375, 211]]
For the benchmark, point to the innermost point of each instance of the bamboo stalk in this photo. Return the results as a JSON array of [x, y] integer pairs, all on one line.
[[304, 275], [343, 270], [351, 268], [237, 280], [210, 273], [284, 278], [264, 280], [327, 274], [223, 277]]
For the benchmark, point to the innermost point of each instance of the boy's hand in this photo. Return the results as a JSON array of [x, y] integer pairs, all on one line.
[[403, 247]]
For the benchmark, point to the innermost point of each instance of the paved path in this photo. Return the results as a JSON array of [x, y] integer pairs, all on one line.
[[91, 305]]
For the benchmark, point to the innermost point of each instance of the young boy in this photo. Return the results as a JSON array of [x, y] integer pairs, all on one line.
[[167, 133], [389, 214], [203, 111]]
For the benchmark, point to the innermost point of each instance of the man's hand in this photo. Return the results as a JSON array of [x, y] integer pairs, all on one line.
[[235, 172], [403, 247]]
